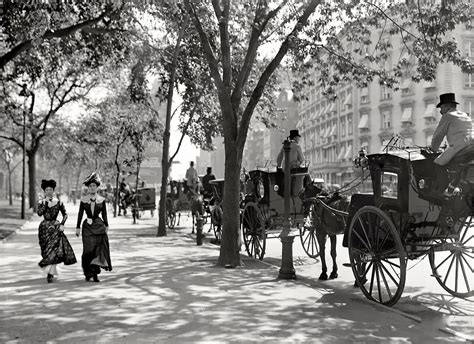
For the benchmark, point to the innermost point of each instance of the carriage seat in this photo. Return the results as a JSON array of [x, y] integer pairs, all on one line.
[[297, 176]]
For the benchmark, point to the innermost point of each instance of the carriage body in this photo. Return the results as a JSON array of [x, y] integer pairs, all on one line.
[[407, 217]]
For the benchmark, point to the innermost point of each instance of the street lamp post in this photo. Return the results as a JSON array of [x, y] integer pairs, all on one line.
[[287, 271]]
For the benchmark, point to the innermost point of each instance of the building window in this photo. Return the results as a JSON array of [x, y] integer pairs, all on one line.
[[363, 122], [342, 152], [469, 107], [429, 84], [407, 115], [350, 128], [386, 93], [430, 112], [364, 95], [468, 48], [406, 87], [348, 101], [469, 80], [343, 127], [386, 119]]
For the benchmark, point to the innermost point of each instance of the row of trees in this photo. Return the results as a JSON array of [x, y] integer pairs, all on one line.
[[221, 57]]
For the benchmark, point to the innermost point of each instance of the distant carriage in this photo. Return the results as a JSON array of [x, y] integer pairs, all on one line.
[[145, 201]]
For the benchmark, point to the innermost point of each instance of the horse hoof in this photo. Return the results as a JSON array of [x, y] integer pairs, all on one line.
[[323, 276], [333, 275]]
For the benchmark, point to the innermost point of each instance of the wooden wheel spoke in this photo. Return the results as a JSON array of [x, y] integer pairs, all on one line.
[[444, 261], [387, 234], [372, 279], [365, 233], [362, 240], [461, 258], [378, 281], [385, 280], [450, 266], [467, 263], [388, 252], [390, 275]]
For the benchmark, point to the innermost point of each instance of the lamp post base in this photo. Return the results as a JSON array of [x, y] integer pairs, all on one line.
[[287, 271]]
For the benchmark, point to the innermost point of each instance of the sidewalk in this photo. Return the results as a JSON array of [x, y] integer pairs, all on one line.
[[10, 220], [168, 290]]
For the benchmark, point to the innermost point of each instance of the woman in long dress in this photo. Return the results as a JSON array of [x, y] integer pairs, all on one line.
[[96, 252], [55, 248]]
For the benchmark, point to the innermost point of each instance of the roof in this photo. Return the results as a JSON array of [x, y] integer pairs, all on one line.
[[411, 154], [216, 181]]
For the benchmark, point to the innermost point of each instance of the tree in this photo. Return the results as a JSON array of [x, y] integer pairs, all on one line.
[[295, 28], [8, 155]]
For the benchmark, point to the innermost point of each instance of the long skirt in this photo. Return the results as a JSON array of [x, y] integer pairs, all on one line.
[[55, 247], [96, 251]]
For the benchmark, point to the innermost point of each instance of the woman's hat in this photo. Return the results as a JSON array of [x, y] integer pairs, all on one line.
[[48, 183], [92, 178], [447, 98], [294, 133]]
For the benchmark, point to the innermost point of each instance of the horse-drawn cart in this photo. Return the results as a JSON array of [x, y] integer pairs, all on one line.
[[263, 211], [146, 200], [407, 218]]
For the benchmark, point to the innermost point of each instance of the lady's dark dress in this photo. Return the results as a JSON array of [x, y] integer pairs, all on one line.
[[96, 252], [55, 248]]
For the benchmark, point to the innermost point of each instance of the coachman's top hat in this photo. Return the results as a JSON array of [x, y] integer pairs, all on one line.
[[294, 133], [447, 98]]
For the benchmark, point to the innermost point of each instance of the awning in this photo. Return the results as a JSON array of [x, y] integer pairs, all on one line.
[[364, 122], [429, 84], [348, 154], [405, 84], [407, 114], [315, 115], [341, 154], [332, 108], [430, 111], [333, 131], [364, 92]]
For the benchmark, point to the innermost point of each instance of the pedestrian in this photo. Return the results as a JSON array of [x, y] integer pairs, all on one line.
[[55, 247], [95, 242]]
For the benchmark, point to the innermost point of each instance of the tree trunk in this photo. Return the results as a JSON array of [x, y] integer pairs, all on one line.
[[10, 197], [230, 243], [164, 182], [78, 188], [117, 180], [135, 202], [32, 179]]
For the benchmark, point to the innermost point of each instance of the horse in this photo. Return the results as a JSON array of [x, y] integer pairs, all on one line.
[[196, 204], [326, 221]]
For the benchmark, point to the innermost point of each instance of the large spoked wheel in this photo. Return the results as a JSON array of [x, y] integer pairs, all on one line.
[[253, 230], [308, 237], [378, 258], [453, 265]]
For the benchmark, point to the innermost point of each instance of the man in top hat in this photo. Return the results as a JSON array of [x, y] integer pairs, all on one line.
[[205, 182], [296, 153], [455, 125]]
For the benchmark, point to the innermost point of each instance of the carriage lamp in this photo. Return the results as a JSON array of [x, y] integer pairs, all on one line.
[[361, 160], [276, 188], [421, 184]]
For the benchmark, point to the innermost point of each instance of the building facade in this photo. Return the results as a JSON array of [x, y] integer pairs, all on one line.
[[368, 118]]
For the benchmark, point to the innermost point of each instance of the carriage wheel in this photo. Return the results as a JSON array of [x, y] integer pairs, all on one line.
[[308, 238], [378, 258], [253, 230], [453, 268]]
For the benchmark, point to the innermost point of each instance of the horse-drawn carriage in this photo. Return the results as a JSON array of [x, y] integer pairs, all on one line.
[[407, 218], [183, 198], [263, 211], [145, 200], [213, 207]]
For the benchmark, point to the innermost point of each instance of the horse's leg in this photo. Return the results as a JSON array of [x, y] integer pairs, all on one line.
[[333, 239], [321, 237], [192, 215]]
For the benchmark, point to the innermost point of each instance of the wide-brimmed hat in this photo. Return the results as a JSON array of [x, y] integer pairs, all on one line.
[[48, 183], [447, 98], [92, 178], [294, 133]]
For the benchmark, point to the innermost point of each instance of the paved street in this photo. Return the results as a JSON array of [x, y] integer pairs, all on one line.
[[168, 290]]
